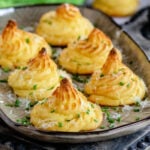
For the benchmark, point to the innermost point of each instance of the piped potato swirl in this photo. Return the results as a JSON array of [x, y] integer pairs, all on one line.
[[66, 110], [86, 56], [115, 84], [38, 80], [17, 47], [63, 25]]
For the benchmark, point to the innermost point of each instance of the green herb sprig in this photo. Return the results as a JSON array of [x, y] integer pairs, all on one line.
[[17, 103], [24, 121]]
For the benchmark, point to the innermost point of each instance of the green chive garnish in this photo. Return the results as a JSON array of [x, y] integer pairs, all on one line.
[[137, 103], [118, 119], [27, 40], [102, 127], [52, 111], [24, 68], [24, 121], [111, 126], [60, 124], [51, 88], [68, 120], [137, 118], [77, 78], [110, 120], [88, 112], [78, 115], [47, 21], [136, 109], [15, 104], [3, 81], [121, 83], [128, 85], [6, 69], [95, 120], [101, 75], [31, 93], [31, 104], [92, 105], [35, 87], [79, 37]]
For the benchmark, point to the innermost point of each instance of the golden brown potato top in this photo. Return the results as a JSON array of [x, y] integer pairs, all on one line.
[[42, 61], [68, 12], [95, 44]]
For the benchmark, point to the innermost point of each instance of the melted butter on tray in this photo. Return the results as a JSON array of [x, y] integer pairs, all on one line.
[[16, 108]]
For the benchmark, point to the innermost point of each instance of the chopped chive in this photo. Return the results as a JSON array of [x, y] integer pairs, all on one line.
[[17, 103], [35, 87], [9, 105], [110, 120], [95, 120], [121, 83], [137, 118], [101, 75], [136, 109], [52, 111], [137, 103], [61, 77], [102, 127], [6, 69], [121, 69], [78, 115], [80, 90], [79, 37], [24, 68], [115, 72], [104, 109], [54, 51], [24, 121], [47, 21], [31, 93], [68, 120], [51, 88], [31, 104], [108, 115], [118, 119], [18, 67], [3, 81], [111, 126], [77, 78], [128, 85], [114, 108], [88, 112], [87, 63], [92, 105], [27, 40], [60, 124], [43, 101]]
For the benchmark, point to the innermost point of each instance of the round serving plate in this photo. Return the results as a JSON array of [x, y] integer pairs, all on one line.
[[28, 17]]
